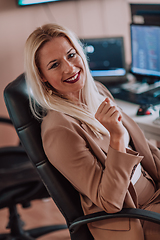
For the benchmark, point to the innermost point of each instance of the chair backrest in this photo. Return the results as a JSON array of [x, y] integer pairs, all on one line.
[[29, 131]]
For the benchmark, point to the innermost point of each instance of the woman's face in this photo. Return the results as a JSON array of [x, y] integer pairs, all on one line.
[[62, 67]]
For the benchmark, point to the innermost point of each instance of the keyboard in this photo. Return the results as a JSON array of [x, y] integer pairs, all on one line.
[[151, 96]]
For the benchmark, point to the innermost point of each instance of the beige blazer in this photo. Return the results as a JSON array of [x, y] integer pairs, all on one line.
[[100, 174]]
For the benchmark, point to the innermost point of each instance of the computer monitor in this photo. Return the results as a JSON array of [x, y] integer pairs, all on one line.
[[33, 2], [106, 59], [149, 13], [145, 52]]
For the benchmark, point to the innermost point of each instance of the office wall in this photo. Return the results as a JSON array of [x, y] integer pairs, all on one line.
[[87, 18]]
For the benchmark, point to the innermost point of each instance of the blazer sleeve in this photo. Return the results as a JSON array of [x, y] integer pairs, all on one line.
[[106, 186]]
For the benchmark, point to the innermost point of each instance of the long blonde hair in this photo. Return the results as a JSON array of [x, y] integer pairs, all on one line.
[[38, 92]]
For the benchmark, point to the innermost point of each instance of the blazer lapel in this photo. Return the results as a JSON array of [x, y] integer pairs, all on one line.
[[99, 146]]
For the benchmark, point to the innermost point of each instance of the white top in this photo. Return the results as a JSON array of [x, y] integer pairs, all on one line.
[[137, 172]]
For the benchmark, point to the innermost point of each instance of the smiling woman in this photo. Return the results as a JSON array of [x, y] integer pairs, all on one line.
[[62, 67], [72, 59], [88, 138]]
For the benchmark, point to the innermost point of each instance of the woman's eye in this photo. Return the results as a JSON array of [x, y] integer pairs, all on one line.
[[54, 65], [71, 55]]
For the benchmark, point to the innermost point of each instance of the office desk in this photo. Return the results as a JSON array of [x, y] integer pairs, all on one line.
[[151, 130]]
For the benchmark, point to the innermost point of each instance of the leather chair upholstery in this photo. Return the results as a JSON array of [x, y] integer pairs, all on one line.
[[62, 192]]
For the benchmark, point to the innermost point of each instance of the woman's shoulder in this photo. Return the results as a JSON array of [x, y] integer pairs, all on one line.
[[103, 89], [56, 119]]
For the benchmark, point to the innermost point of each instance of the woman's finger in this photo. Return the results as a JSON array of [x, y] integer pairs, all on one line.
[[116, 115], [100, 108]]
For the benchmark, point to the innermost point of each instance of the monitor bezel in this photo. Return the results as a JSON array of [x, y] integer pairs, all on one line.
[[36, 4]]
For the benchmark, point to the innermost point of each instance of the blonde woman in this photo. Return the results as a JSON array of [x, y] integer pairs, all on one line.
[[87, 137]]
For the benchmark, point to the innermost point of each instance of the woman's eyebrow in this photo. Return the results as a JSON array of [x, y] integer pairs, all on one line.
[[70, 50], [51, 62]]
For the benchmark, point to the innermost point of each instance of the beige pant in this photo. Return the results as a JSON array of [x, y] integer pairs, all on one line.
[[152, 230], [145, 190]]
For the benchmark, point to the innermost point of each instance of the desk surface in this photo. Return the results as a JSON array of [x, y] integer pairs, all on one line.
[[151, 130]]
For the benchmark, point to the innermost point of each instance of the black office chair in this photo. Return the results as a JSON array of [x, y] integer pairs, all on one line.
[[20, 184], [62, 192]]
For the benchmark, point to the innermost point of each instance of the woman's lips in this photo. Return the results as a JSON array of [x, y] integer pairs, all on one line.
[[73, 79]]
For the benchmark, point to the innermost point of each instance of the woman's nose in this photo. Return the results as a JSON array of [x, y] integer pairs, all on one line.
[[68, 66]]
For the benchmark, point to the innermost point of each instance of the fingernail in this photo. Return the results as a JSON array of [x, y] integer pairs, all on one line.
[[107, 99]]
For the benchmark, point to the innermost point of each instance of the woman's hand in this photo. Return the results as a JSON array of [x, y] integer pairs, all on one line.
[[110, 117]]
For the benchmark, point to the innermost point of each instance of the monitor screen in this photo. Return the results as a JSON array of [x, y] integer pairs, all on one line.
[[145, 50], [32, 2], [105, 57]]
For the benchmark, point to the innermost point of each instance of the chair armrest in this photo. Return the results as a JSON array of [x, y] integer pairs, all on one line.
[[124, 213], [5, 120]]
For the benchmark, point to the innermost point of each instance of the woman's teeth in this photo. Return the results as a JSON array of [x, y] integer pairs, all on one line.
[[73, 78]]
